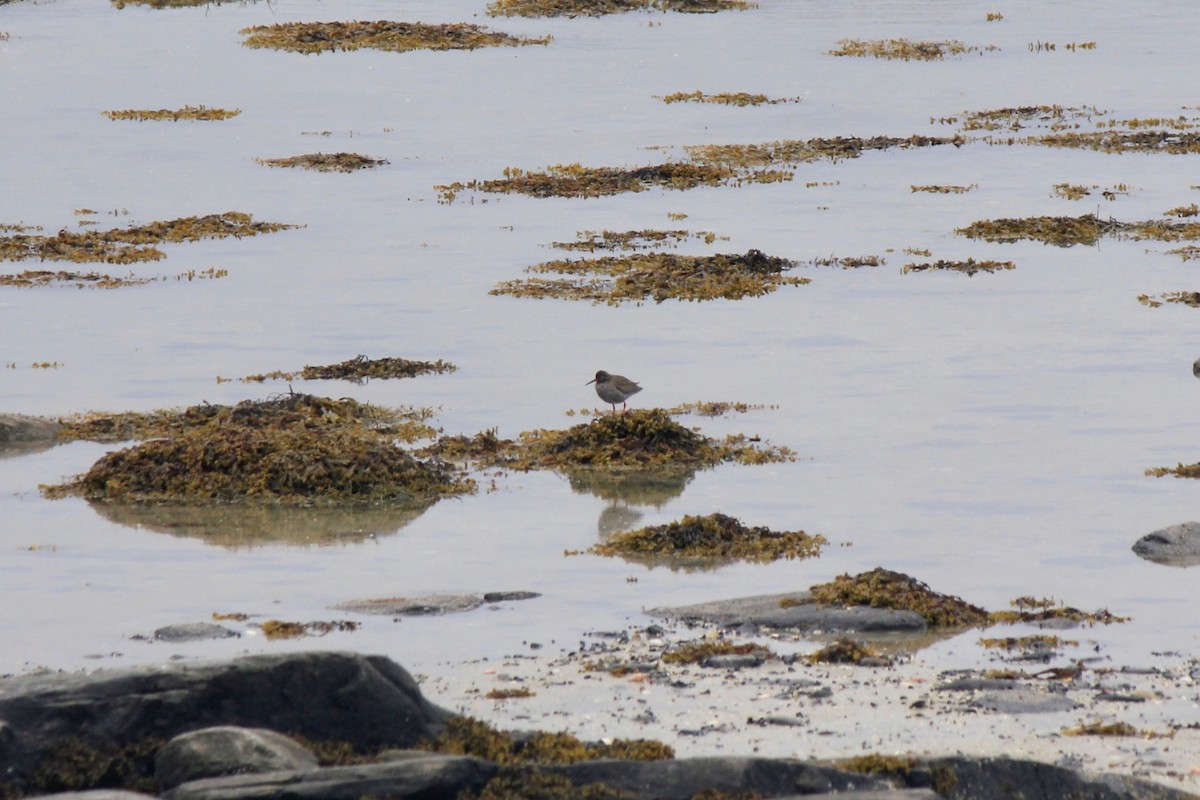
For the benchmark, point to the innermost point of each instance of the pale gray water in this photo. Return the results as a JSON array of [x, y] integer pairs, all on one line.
[[987, 435]]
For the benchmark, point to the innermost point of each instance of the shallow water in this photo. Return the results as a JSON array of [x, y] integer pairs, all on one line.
[[986, 435]]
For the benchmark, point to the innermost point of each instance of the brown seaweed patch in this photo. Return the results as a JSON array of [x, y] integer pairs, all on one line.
[[1053, 117], [1186, 298], [640, 440], [848, 651], [1042, 641], [879, 765], [134, 243], [1124, 141], [319, 37], [598, 8], [656, 276], [326, 162], [358, 369], [98, 280], [1049, 47], [278, 629], [905, 49], [1179, 471], [467, 736], [576, 180], [714, 408], [1059, 231], [1187, 252], [633, 240], [174, 3], [883, 588], [530, 783], [200, 113], [1098, 728], [969, 267], [846, 262], [1190, 210], [295, 450], [713, 536], [294, 466], [509, 694], [73, 765], [292, 410], [1045, 609], [727, 98], [799, 151], [704, 649], [944, 189], [1085, 229], [95, 280]]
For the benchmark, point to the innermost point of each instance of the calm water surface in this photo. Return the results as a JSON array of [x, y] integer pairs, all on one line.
[[986, 435]]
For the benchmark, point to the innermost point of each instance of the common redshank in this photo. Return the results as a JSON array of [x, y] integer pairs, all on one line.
[[614, 389]]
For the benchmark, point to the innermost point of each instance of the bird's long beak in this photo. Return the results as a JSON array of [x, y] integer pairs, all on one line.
[[593, 380]]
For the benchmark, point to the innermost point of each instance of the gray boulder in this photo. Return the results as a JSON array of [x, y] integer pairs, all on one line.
[[431, 776], [19, 429], [795, 610], [366, 701], [96, 794], [227, 750], [1176, 546], [964, 778]]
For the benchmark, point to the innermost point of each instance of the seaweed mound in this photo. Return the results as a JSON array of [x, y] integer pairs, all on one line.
[[884, 588], [714, 536], [294, 449]]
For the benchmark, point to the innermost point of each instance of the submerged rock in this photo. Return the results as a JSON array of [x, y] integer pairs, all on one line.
[[795, 610], [118, 716], [227, 750], [1176, 546]]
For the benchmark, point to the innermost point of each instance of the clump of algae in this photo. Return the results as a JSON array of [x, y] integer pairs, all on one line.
[[713, 536], [884, 588], [291, 451], [656, 276], [639, 439], [326, 162], [359, 369], [322, 37], [727, 98], [132, 244], [471, 737], [905, 49], [199, 113], [967, 267], [597, 8], [700, 651]]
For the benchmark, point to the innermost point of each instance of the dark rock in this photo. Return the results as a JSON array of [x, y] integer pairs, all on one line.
[[962, 778], [21, 435], [799, 613], [732, 661], [96, 794], [366, 701], [786, 722], [227, 750], [430, 776], [193, 632], [500, 597], [429, 604], [686, 777], [1176, 546], [18, 428]]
